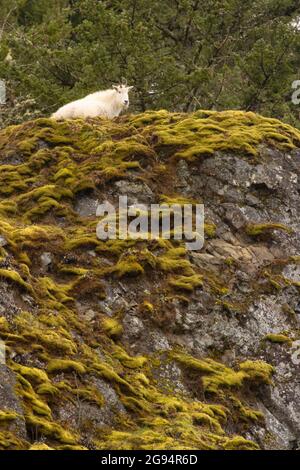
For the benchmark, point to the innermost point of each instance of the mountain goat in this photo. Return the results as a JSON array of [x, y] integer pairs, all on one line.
[[106, 103]]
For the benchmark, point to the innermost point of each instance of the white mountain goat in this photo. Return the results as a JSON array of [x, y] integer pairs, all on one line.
[[107, 103]]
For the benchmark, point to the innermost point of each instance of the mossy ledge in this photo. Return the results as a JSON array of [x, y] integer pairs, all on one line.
[[59, 351]]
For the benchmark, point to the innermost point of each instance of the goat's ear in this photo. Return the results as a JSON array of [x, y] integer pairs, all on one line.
[[130, 88], [115, 87]]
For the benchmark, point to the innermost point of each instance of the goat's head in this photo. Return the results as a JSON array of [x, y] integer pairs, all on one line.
[[122, 92]]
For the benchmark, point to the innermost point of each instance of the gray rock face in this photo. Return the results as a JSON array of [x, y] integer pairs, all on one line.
[[236, 193], [86, 206], [10, 402]]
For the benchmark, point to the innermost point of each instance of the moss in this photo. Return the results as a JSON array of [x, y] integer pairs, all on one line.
[[229, 261], [177, 199], [4, 326], [186, 283], [255, 230], [15, 277], [128, 267], [240, 443], [35, 331], [8, 441], [107, 372], [278, 338], [47, 389], [65, 365], [34, 236], [27, 146], [229, 307], [216, 375], [244, 412], [147, 306], [89, 394], [208, 420], [128, 361], [136, 405], [63, 173], [71, 447], [73, 270], [257, 370], [112, 327], [225, 131], [40, 446], [53, 290], [210, 229], [31, 373], [81, 241], [50, 429], [172, 261], [31, 399], [6, 416]]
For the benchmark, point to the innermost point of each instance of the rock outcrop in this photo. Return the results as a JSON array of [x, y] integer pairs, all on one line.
[[141, 344]]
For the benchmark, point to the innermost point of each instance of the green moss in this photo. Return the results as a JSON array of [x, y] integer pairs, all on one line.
[[257, 370], [186, 283], [40, 446], [27, 146], [131, 362], [216, 375], [224, 131], [71, 447], [31, 399], [90, 395], [31, 373], [177, 199], [50, 429], [147, 306], [35, 331], [255, 230], [81, 241], [8, 441], [6, 416], [278, 338], [3, 324], [73, 270], [240, 443], [229, 261], [210, 229], [229, 307], [47, 389], [15, 277], [128, 267], [65, 365], [112, 327], [172, 261], [246, 413]]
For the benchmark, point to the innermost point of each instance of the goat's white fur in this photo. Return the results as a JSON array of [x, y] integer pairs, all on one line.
[[107, 103]]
